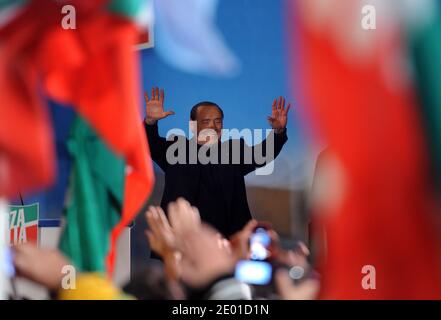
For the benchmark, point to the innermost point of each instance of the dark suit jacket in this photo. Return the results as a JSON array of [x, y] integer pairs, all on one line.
[[226, 207]]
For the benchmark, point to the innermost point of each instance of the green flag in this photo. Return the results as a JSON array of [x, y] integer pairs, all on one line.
[[425, 49], [95, 198], [129, 8]]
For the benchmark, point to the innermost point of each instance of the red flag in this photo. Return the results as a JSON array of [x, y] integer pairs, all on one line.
[[94, 68], [383, 213], [27, 154]]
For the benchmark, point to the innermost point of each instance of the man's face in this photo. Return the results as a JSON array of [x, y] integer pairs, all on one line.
[[209, 122]]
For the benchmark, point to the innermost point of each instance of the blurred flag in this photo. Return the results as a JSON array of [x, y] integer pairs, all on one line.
[[5, 256], [379, 211], [95, 198], [424, 27], [188, 39], [27, 156], [94, 68], [9, 9]]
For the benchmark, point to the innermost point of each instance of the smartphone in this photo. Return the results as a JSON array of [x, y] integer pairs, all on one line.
[[254, 272], [261, 246], [258, 269]]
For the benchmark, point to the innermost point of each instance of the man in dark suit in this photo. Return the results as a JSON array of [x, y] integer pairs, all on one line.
[[216, 187]]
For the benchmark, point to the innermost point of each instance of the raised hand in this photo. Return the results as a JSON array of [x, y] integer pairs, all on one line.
[[203, 259], [287, 289], [240, 241], [41, 265], [279, 114], [163, 241], [160, 234], [155, 106], [296, 257], [184, 218], [306, 290]]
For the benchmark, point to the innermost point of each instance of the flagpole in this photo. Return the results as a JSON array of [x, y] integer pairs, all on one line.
[[21, 198]]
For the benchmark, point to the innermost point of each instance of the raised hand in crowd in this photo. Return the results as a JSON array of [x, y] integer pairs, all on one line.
[[164, 236], [161, 237], [295, 257], [163, 241], [183, 217], [203, 259], [308, 287], [239, 241], [40, 265]]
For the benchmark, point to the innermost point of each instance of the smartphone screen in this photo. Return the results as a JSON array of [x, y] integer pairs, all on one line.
[[260, 244], [254, 272], [257, 270]]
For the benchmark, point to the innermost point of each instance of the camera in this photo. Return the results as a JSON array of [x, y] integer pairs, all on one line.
[[264, 260], [258, 269]]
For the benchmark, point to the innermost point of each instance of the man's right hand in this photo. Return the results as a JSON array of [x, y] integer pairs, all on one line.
[[155, 106]]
